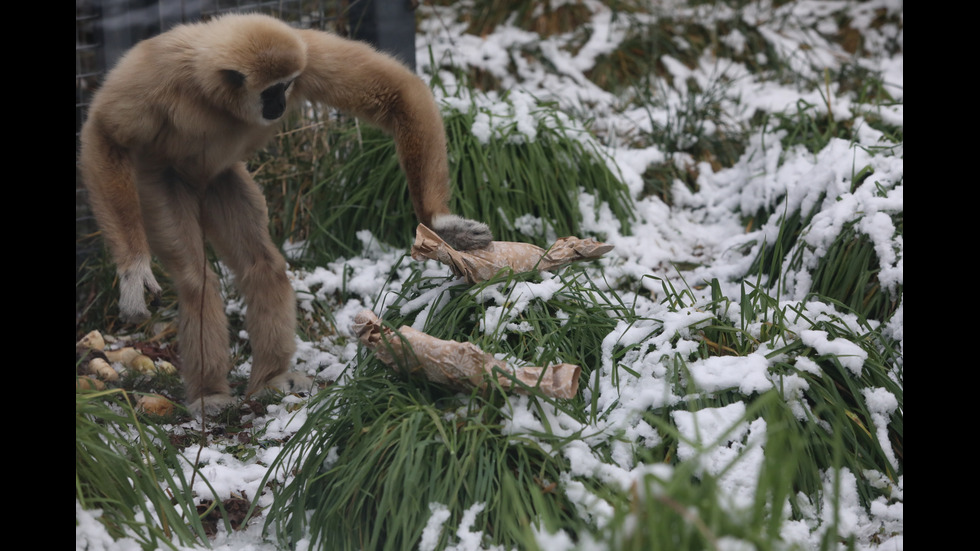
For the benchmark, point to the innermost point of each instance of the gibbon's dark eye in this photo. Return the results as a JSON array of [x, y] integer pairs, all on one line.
[[274, 101], [233, 78]]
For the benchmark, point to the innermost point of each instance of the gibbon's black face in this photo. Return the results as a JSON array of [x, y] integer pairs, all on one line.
[[274, 100]]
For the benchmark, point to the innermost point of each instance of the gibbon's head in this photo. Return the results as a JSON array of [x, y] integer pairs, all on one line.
[[248, 63]]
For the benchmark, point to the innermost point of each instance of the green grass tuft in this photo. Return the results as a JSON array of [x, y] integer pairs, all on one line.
[[127, 468], [379, 450]]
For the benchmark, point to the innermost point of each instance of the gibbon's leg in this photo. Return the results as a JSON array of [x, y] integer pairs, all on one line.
[[172, 215], [237, 223], [354, 77], [108, 177]]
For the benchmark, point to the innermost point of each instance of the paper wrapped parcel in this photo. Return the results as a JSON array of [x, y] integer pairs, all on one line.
[[478, 265], [461, 365]]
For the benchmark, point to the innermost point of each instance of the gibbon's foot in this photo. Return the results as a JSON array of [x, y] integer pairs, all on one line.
[[287, 382], [460, 233], [132, 284], [212, 404]]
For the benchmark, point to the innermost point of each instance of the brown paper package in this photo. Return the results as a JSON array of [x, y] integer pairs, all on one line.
[[479, 265], [458, 364]]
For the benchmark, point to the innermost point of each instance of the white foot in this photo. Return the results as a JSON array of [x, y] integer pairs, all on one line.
[[133, 282]]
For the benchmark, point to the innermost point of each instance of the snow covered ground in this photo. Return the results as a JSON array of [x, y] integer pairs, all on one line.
[[702, 228]]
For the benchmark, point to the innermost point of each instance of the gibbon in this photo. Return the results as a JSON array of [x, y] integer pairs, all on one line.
[[162, 157]]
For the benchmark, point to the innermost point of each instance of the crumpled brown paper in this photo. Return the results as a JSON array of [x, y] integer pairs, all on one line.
[[458, 364], [478, 265]]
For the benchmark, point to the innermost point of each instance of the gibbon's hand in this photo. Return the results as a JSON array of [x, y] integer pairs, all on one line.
[[461, 233], [132, 282]]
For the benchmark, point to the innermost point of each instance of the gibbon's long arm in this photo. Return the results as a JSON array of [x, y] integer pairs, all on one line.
[[354, 77], [108, 173]]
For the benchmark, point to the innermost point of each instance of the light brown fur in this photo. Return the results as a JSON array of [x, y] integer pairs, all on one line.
[[162, 158]]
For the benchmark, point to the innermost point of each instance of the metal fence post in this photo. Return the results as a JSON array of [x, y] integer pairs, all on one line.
[[387, 24]]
